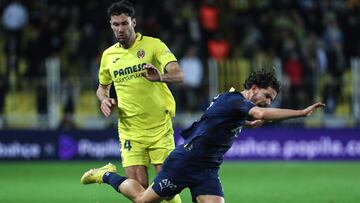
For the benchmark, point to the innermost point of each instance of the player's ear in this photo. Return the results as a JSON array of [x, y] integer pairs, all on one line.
[[133, 22], [110, 20], [254, 89]]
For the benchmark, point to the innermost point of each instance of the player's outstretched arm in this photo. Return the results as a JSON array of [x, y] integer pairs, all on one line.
[[260, 113], [308, 111], [106, 103]]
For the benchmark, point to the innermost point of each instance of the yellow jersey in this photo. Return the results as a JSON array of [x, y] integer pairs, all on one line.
[[145, 108]]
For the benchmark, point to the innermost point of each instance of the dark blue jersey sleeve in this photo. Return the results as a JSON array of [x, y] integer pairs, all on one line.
[[243, 105]]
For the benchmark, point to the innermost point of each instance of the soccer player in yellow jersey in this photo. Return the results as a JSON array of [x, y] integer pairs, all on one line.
[[139, 67]]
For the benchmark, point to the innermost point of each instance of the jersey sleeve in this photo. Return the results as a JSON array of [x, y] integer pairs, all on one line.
[[104, 74], [243, 105], [163, 54]]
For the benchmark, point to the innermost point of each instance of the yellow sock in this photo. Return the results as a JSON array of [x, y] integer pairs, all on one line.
[[176, 199]]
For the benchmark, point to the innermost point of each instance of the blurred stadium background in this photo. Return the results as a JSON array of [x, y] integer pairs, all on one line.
[[50, 120]]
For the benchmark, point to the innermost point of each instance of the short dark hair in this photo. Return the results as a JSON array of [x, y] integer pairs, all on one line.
[[121, 7], [262, 79]]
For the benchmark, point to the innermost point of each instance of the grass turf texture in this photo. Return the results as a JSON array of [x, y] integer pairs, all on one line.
[[243, 182]]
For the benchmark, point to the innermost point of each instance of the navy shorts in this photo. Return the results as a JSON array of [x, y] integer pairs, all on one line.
[[177, 174]]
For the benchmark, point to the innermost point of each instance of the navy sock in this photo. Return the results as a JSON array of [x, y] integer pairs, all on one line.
[[113, 179]]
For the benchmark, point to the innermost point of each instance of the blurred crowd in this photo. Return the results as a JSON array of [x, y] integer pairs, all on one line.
[[312, 38]]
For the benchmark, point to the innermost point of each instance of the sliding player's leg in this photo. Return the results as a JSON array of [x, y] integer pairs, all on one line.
[[134, 191], [208, 189], [160, 150], [128, 187]]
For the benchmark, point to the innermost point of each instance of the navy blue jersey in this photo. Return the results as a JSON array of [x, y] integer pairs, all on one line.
[[212, 136]]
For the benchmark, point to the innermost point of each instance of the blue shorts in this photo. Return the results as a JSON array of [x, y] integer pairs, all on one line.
[[177, 174]]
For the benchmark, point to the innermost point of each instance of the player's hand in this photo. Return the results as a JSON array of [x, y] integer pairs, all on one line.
[[308, 111], [254, 123], [106, 105], [152, 73]]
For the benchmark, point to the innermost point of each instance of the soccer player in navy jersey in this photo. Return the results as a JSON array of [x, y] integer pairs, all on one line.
[[195, 163]]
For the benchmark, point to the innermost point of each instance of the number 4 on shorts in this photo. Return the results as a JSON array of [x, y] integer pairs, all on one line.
[[127, 145]]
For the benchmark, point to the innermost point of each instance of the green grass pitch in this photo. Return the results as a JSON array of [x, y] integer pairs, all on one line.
[[243, 182]]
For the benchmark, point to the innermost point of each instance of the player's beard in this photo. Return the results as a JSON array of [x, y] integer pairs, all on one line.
[[124, 41]]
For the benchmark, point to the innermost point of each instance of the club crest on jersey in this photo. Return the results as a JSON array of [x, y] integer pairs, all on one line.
[[141, 54]]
